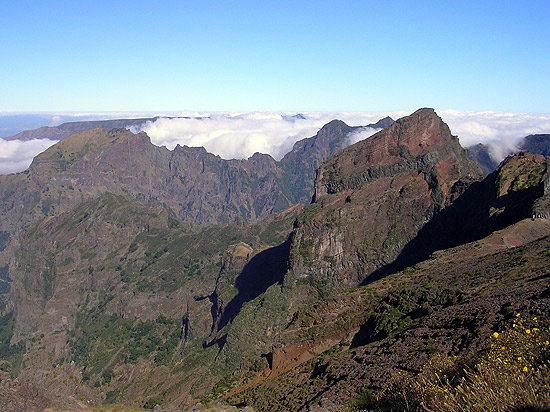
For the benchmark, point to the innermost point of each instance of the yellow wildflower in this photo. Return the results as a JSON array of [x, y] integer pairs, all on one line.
[[495, 334], [525, 369], [528, 331], [519, 358]]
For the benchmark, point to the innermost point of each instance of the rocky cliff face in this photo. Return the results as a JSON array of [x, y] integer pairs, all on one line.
[[447, 306], [302, 161], [445, 302], [374, 197], [305, 157], [189, 183], [523, 188]]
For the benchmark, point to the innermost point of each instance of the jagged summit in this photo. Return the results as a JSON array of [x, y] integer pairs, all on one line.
[[382, 123], [382, 190], [190, 183]]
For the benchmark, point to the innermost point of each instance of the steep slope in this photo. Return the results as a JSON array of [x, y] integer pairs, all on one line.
[[368, 338], [302, 161], [536, 144], [374, 197], [383, 196], [518, 189], [151, 310], [328, 247], [480, 154], [122, 289]]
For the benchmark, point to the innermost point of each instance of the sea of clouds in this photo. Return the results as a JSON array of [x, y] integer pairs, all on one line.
[[240, 135], [237, 135], [500, 131]]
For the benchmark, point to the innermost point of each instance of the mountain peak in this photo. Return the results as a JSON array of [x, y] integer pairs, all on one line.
[[382, 123], [521, 171], [382, 190], [416, 142]]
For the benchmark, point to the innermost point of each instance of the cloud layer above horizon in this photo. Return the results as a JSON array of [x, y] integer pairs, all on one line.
[[500, 131], [240, 135]]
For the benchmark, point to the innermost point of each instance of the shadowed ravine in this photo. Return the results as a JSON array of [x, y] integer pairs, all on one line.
[[263, 270]]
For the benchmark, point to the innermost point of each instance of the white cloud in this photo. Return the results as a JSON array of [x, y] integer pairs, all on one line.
[[17, 155], [238, 135], [231, 136], [501, 131], [361, 134], [56, 121]]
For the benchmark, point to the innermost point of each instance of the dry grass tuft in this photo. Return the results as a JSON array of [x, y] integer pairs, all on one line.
[[511, 373]]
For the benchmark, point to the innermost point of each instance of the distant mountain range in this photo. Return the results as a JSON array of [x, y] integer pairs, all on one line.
[[136, 275]]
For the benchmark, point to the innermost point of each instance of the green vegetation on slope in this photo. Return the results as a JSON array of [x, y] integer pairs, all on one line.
[[100, 343], [10, 355]]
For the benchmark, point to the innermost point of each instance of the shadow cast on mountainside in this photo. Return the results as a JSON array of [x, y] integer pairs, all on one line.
[[262, 271], [467, 219]]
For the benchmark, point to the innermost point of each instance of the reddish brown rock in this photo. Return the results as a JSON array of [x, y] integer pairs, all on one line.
[[372, 198]]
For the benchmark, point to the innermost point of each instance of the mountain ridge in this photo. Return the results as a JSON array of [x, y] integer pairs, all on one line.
[[300, 309]]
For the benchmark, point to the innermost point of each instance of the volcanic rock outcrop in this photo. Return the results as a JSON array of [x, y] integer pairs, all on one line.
[[374, 197]]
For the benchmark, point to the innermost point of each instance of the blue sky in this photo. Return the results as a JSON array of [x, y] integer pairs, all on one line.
[[268, 56]]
